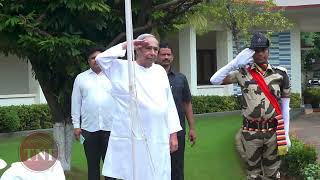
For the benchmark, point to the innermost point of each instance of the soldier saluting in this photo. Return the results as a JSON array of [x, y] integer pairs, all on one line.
[[265, 108]]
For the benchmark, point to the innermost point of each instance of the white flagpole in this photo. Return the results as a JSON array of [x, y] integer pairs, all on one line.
[[129, 35], [136, 129], [131, 74]]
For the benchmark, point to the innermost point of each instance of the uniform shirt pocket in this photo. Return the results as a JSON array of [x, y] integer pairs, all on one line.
[[250, 90]]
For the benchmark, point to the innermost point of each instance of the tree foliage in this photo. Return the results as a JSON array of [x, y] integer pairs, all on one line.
[[53, 35], [243, 16], [312, 56], [307, 38]]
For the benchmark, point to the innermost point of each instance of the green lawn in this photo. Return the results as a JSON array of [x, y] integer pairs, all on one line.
[[213, 157]]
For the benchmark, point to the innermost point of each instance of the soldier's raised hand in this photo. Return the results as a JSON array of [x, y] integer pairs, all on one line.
[[243, 58]]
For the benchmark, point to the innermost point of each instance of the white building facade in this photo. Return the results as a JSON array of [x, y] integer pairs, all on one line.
[[18, 85]]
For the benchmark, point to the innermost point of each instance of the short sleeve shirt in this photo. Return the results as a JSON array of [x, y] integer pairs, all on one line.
[[181, 94], [255, 105]]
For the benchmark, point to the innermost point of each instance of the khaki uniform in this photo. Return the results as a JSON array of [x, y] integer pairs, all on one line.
[[260, 148]]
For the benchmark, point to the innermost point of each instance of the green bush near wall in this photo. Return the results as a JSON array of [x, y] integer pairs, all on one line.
[[9, 120], [29, 117], [207, 104], [295, 100], [312, 96], [25, 117]]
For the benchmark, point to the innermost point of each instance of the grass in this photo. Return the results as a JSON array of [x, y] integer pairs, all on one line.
[[213, 157]]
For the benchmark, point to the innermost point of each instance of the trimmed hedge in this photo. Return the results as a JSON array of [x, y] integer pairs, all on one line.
[[10, 120], [312, 96], [295, 100], [25, 117], [207, 104], [29, 117]]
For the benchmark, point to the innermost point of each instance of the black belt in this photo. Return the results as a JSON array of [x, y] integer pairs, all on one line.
[[261, 125]]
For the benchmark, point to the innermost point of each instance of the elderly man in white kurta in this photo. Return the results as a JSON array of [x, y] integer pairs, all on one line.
[[147, 155]]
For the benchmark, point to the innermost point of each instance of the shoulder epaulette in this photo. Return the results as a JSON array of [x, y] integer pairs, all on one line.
[[281, 69]]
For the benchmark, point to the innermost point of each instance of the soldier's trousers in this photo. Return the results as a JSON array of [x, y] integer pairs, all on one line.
[[261, 155]]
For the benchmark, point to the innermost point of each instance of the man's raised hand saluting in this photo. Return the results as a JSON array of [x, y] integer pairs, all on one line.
[[137, 44]]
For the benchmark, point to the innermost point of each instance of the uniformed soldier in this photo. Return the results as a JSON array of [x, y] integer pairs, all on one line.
[[265, 126]]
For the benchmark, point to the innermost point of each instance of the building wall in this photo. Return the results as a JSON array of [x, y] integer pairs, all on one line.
[[207, 40], [14, 77], [185, 56], [296, 2], [173, 40], [222, 42], [18, 99], [280, 51], [18, 85], [284, 51]]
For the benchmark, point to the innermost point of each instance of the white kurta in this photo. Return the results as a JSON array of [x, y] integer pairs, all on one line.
[[18, 171], [146, 158]]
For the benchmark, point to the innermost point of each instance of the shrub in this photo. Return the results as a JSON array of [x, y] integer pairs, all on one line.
[[10, 120], [30, 120], [47, 121], [207, 104], [295, 100], [298, 157], [24, 117], [312, 96], [311, 172]]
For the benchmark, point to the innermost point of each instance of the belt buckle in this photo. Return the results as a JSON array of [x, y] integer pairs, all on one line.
[[263, 129], [247, 125]]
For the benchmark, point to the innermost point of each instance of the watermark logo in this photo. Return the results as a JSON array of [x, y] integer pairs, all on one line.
[[38, 152]]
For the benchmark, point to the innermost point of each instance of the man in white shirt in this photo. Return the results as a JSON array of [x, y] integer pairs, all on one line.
[[139, 148], [91, 109]]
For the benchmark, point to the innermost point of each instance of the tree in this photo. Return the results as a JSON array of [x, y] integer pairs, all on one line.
[[310, 58], [243, 16], [53, 36], [307, 46]]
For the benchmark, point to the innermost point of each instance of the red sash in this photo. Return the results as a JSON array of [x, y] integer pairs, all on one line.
[[265, 89], [281, 138]]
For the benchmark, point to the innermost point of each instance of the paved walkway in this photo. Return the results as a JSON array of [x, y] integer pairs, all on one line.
[[307, 128]]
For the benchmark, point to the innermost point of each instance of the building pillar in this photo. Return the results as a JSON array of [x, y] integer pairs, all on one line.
[[224, 54], [188, 57], [295, 60]]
